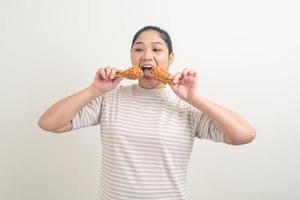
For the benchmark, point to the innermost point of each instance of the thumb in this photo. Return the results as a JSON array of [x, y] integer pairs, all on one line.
[[173, 86], [118, 80]]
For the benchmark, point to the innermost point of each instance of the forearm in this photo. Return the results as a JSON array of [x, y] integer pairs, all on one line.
[[236, 130], [63, 111]]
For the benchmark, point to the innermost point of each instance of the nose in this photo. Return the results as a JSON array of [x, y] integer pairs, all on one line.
[[147, 56]]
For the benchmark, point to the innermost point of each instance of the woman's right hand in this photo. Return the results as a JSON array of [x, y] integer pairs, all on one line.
[[105, 80]]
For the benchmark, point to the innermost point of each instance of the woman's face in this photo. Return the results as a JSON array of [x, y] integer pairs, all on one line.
[[150, 50]]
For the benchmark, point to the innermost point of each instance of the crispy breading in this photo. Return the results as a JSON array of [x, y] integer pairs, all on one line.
[[135, 72], [161, 74], [132, 73]]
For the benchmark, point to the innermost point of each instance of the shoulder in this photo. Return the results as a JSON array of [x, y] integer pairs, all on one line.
[[178, 103]]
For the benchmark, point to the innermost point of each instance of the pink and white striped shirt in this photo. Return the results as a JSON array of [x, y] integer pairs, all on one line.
[[147, 139]]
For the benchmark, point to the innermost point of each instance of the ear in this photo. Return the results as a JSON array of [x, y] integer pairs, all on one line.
[[171, 58]]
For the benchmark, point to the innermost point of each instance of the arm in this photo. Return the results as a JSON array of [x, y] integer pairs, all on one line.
[[235, 129], [58, 117]]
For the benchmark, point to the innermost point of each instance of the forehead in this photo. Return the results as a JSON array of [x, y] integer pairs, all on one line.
[[149, 37]]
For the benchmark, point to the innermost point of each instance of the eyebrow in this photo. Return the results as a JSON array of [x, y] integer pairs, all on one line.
[[151, 43]]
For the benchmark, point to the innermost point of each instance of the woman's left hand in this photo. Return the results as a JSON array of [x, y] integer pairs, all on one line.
[[185, 84]]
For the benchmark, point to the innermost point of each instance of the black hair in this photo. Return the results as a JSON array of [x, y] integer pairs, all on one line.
[[162, 33]]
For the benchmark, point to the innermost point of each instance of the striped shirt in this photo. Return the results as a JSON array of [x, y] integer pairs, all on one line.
[[147, 139]]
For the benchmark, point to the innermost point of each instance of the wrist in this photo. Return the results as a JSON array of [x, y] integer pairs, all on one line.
[[93, 91], [197, 101]]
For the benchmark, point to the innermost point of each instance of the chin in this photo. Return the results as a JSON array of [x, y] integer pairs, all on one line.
[[149, 84], [148, 81]]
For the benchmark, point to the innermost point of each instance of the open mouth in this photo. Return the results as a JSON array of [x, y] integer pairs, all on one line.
[[147, 70]]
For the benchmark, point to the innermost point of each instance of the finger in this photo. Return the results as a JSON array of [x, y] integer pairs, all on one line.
[[102, 73], [195, 74], [118, 80], [185, 72], [118, 73], [173, 86], [112, 73], [177, 77], [192, 73], [108, 71]]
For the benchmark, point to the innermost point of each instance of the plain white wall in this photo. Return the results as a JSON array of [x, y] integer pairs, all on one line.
[[246, 52]]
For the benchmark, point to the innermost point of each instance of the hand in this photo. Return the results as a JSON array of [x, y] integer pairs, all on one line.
[[185, 84], [105, 80]]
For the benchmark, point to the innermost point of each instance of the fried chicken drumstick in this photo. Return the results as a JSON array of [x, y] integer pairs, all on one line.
[[161, 75], [131, 73], [135, 72]]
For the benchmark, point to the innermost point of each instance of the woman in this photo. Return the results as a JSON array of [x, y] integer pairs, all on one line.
[[147, 129]]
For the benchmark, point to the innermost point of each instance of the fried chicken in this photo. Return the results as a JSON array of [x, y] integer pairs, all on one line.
[[132, 73], [135, 72], [161, 75]]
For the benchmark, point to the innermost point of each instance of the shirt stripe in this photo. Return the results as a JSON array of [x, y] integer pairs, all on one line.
[[147, 139]]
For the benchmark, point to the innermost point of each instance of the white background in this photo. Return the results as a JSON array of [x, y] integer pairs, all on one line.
[[247, 54]]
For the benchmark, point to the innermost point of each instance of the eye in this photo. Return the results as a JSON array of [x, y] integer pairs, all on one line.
[[138, 49], [157, 49]]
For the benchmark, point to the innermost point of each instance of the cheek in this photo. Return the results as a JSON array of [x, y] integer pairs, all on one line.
[[162, 58], [134, 57]]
